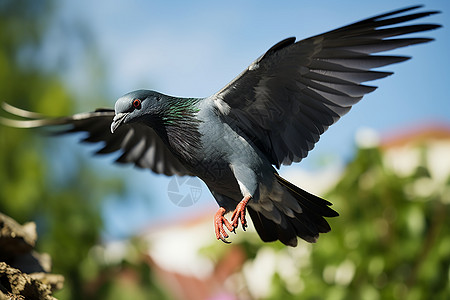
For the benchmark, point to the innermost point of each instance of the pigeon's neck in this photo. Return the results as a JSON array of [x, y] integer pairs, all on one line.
[[179, 127]]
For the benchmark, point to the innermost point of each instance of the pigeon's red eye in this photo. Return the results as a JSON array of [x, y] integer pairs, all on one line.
[[137, 103]]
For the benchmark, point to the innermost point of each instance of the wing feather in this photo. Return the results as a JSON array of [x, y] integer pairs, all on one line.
[[289, 96], [138, 144]]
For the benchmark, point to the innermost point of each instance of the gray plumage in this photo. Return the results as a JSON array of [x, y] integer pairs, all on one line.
[[272, 114]]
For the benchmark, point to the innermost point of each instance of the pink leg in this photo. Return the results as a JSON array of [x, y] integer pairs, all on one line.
[[239, 212], [219, 221]]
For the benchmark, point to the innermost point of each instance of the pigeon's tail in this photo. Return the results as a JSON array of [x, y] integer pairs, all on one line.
[[306, 224]]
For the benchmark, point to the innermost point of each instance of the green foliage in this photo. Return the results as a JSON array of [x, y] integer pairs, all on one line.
[[68, 220], [131, 277], [66, 209], [389, 242], [21, 176]]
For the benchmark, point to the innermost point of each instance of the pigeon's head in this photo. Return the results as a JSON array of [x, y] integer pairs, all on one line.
[[136, 106]]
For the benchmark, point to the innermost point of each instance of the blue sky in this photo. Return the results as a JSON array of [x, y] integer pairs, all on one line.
[[194, 48]]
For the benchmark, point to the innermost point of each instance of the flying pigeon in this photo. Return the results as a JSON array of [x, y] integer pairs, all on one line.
[[272, 114]]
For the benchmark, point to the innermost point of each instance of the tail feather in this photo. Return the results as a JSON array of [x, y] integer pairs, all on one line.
[[266, 228], [313, 202], [307, 224]]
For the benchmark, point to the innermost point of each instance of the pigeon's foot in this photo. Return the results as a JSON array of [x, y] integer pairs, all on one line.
[[219, 221], [239, 213]]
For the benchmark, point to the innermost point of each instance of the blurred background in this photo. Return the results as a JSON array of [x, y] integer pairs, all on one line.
[[116, 232]]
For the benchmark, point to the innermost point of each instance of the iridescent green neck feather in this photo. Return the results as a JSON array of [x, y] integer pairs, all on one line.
[[178, 126]]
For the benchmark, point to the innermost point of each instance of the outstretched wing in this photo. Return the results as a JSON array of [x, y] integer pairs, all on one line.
[[290, 95], [139, 144]]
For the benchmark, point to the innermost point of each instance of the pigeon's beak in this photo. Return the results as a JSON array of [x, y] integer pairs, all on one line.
[[117, 121]]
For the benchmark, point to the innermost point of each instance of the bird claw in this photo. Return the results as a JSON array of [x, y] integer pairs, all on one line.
[[219, 222], [239, 213], [224, 240]]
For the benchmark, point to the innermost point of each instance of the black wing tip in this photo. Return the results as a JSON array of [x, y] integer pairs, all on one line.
[[332, 214], [403, 10], [102, 110], [392, 18], [399, 58]]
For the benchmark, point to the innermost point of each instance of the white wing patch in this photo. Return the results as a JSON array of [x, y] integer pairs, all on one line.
[[222, 106], [253, 66]]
